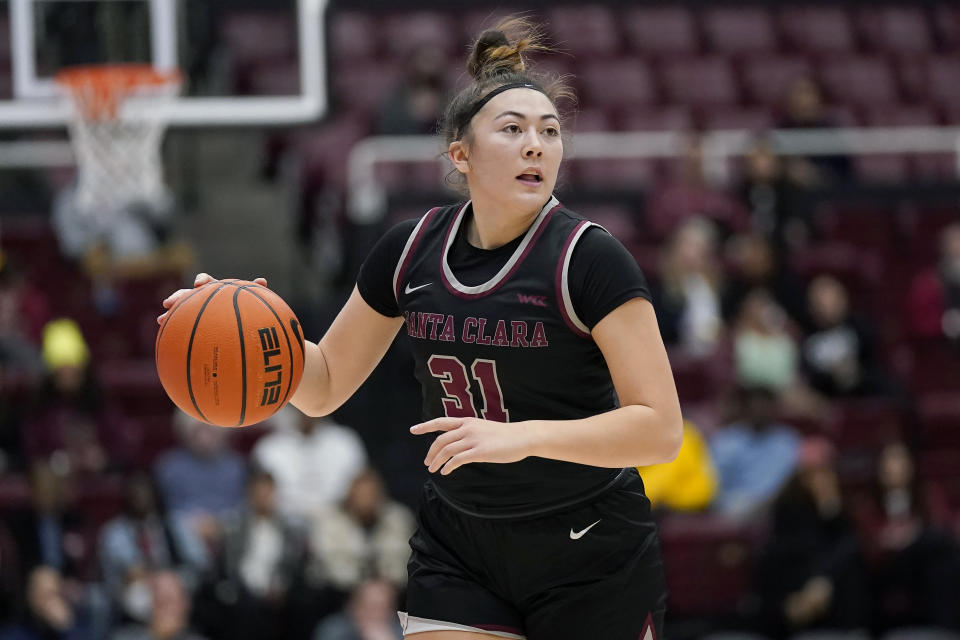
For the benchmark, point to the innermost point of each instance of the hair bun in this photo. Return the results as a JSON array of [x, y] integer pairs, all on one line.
[[493, 53]]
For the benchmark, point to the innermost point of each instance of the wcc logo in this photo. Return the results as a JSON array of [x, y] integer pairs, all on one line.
[[271, 349], [540, 301]]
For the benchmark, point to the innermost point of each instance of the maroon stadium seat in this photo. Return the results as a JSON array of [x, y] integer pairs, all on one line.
[[705, 81], [365, 85], [584, 30], [946, 23], [323, 150], [354, 35], [750, 118], [864, 424], [861, 81], [670, 118], [624, 82], [766, 79], [936, 366], [703, 545], [591, 119], [630, 173], [901, 115], [882, 167], [934, 167], [258, 36], [941, 80], [817, 29], [404, 32], [740, 30], [897, 29], [859, 268], [274, 79], [661, 30], [940, 419]]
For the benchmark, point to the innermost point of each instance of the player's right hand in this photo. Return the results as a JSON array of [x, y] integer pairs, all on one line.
[[199, 281]]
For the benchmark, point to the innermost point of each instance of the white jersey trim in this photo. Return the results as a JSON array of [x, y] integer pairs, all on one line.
[[406, 250], [413, 624], [564, 279], [520, 250]]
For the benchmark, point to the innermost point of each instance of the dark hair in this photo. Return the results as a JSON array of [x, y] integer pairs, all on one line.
[[496, 59]]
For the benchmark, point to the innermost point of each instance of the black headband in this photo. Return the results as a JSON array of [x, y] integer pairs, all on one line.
[[465, 120]]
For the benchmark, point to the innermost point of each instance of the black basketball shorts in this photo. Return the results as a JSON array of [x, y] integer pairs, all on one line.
[[587, 573]]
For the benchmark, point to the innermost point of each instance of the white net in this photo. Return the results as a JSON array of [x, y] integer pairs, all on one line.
[[117, 124]]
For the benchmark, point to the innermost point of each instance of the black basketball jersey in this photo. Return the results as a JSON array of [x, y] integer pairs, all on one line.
[[509, 349]]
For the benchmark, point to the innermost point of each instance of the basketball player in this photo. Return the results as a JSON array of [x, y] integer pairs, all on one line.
[[543, 375]]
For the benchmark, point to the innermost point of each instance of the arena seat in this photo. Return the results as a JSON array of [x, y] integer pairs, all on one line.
[[584, 30], [860, 81], [404, 32], [817, 29], [695, 546], [661, 30], [591, 119], [740, 30], [624, 82], [864, 424], [667, 118], [858, 267], [767, 78], [935, 366], [273, 79], [882, 168], [706, 81], [632, 173], [939, 413], [258, 36], [901, 115], [941, 80], [757, 119], [354, 35], [895, 29], [364, 86]]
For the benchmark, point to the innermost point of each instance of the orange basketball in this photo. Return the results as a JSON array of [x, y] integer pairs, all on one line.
[[230, 353]]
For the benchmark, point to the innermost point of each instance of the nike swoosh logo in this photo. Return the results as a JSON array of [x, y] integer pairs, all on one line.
[[579, 534], [410, 289]]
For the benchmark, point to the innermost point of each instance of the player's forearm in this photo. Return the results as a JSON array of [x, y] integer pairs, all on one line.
[[312, 395], [634, 435]]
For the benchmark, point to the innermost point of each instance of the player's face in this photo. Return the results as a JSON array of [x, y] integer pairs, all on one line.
[[514, 150]]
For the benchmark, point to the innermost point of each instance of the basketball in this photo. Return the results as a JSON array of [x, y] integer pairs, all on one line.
[[230, 353]]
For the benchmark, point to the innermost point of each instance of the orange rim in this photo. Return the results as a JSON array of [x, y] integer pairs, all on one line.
[[99, 89]]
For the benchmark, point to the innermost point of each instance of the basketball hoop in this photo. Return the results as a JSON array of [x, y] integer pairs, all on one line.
[[117, 121]]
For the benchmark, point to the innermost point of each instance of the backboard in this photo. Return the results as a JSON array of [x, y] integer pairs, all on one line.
[[245, 63]]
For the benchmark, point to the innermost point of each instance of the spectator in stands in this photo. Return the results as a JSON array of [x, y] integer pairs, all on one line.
[[754, 263], [754, 455], [23, 312], [804, 109], [366, 536], [839, 348], [689, 483], [933, 307], [777, 205], [140, 540], [688, 193], [259, 561], [51, 532], [70, 426], [687, 293], [811, 574], [370, 615], [416, 103], [915, 562], [313, 461], [765, 349], [202, 479], [168, 611], [51, 614]]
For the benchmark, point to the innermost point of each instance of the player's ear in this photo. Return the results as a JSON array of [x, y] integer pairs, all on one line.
[[458, 156]]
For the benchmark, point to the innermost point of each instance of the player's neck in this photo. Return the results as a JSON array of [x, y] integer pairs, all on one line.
[[492, 226]]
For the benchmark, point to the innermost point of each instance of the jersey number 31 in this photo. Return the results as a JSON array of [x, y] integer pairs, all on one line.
[[458, 399]]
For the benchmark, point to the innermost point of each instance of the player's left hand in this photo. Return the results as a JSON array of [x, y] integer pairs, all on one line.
[[466, 440]]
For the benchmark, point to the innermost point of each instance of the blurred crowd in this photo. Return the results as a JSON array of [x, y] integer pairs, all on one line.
[[803, 430]]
